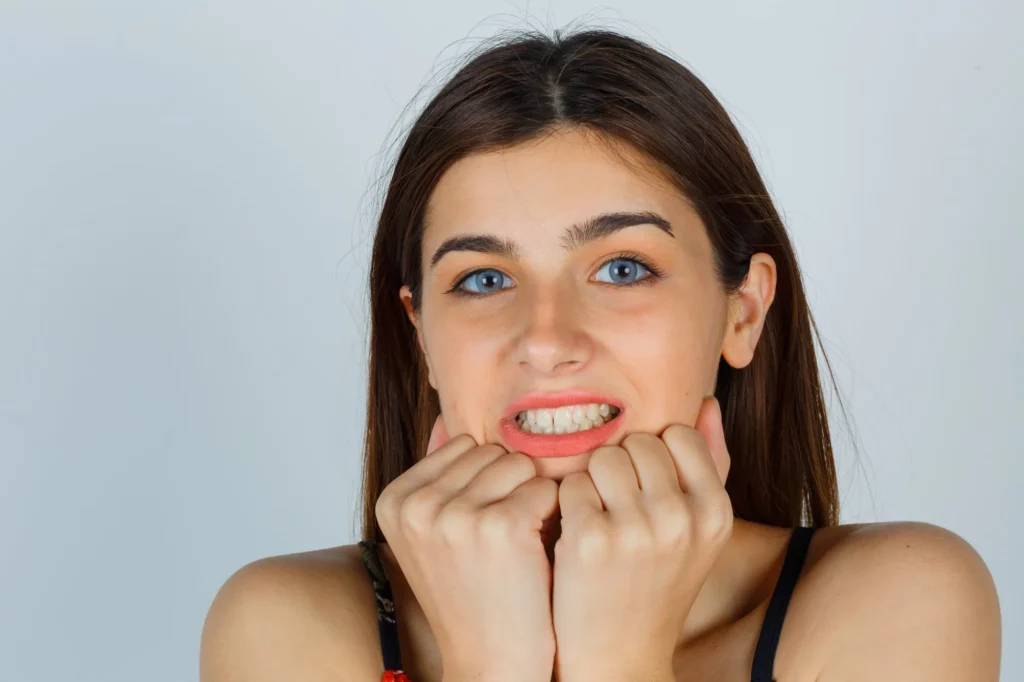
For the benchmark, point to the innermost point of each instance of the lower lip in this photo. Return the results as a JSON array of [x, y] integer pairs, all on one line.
[[557, 444]]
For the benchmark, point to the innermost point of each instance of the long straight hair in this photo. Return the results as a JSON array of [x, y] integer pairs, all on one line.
[[599, 81]]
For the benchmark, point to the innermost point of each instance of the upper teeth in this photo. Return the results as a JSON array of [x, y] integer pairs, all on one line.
[[566, 419]]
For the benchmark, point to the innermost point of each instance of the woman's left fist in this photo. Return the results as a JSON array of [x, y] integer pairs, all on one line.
[[641, 529]]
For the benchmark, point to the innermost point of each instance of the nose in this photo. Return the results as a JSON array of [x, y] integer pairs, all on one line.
[[552, 338]]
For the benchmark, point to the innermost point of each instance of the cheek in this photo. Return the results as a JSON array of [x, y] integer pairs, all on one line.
[[665, 356], [465, 360]]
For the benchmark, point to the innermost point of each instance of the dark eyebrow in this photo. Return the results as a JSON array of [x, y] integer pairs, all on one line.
[[575, 236]]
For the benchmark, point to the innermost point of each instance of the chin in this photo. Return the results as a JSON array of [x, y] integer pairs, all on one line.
[[557, 468]]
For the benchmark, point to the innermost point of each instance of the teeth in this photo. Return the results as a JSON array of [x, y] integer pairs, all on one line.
[[566, 419], [563, 417]]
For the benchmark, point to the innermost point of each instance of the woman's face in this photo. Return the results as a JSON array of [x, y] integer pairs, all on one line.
[[634, 315]]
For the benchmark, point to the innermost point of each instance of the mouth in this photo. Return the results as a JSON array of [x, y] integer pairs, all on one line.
[[560, 425], [566, 419]]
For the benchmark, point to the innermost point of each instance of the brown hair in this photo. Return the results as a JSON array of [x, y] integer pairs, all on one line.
[[619, 88]]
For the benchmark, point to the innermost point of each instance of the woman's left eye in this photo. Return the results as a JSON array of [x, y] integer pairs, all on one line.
[[624, 271]]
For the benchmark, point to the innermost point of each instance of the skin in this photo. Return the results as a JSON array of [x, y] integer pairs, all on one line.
[[653, 346], [864, 587]]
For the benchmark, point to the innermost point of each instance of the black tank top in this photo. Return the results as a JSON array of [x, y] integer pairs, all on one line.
[[764, 653]]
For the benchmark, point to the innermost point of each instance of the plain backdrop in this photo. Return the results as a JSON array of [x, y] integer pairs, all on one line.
[[186, 204]]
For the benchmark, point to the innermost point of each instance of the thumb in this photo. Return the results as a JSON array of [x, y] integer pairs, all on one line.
[[438, 436], [709, 426]]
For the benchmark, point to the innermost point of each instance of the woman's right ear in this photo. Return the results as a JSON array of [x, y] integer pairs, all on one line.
[[405, 296]]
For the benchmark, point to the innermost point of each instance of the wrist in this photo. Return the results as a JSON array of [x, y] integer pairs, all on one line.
[[537, 667], [495, 673], [616, 673]]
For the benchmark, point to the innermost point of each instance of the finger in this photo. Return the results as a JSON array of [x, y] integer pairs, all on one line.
[[578, 497], [709, 425], [532, 502], [427, 469], [652, 463], [614, 477], [497, 480], [464, 468], [696, 470], [438, 436]]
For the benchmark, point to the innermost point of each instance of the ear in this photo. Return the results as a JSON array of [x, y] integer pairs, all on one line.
[[748, 309], [405, 295]]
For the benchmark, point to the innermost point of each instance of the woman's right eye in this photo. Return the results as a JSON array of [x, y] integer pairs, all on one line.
[[480, 283]]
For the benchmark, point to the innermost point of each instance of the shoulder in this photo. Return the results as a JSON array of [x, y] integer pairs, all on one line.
[[306, 616], [915, 596]]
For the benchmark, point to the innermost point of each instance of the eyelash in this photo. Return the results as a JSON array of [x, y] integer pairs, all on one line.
[[654, 276]]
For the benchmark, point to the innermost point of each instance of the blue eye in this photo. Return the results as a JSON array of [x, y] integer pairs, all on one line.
[[624, 271], [488, 282]]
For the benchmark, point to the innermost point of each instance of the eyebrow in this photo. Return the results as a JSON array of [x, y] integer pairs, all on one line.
[[574, 237]]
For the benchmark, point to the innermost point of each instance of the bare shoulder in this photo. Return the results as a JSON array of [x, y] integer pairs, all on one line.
[[307, 616], [900, 601]]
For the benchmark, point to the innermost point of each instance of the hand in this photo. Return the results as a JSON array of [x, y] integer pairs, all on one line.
[[464, 525], [641, 529]]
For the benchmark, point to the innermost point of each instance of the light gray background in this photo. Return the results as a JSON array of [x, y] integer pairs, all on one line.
[[186, 199]]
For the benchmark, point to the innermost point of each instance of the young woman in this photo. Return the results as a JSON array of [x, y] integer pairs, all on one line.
[[597, 447]]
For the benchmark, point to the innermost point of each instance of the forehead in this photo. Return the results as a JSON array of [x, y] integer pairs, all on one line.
[[550, 182]]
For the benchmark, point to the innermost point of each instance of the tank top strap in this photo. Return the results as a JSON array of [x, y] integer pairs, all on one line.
[[771, 629], [387, 624]]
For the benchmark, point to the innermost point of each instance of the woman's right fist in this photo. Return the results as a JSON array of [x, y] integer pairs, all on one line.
[[464, 524]]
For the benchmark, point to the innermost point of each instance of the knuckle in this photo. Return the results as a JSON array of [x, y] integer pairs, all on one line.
[[591, 540], [417, 510], [519, 464], [680, 436], [480, 457], [593, 546], [639, 438], [606, 455], [487, 450], [454, 522], [574, 477], [463, 439], [495, 525], [635, 536], [719, 517], [671, 517], [383, 508], [538, 484], [674, 431], [547, 485]]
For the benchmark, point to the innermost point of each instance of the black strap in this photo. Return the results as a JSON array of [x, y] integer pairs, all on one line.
[[386, 623], [771, 629]]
